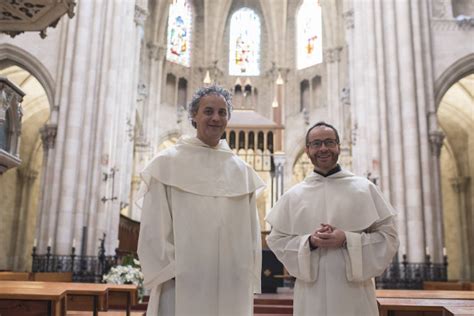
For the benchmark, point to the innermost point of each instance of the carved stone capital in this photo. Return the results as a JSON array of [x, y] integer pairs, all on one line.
[[460, 184], [346, 96], [140, 15], [27, 174], [156, 51], [436, 142], [142, 92], [441, 9], [48, 136], [348, 17], [332, 55]]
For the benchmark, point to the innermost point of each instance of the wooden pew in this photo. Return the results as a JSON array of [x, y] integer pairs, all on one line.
[[458, 311], [120, 292], [421, 302], [21, 301], [88, 296], [52, 276], [14, 276], [447, 286], [273, 304]]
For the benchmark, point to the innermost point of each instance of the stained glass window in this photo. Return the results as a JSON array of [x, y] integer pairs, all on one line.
[[309, 34], [244, 47], [179, 33]]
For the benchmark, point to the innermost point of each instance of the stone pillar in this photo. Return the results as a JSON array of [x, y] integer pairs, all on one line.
[[20, 241], [392, 88], [460, 185], [48, 138], [95, 101], [332, 58]]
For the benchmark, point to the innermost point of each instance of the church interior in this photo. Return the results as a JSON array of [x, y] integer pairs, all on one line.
[[91, 91]]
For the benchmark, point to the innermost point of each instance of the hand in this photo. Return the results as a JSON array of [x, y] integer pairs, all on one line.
[[327, 237]]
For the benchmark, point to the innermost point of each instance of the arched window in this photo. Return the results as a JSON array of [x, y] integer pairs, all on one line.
[[309, 34], [179, 33], [244, 47]]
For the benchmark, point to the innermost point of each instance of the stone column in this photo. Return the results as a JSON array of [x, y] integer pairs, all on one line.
[[48, 138], [20, 242], [95, 100], [332, 59], [460, 185], [392, 88]]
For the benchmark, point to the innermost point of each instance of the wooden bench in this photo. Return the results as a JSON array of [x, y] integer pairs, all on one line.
[[421, 302], [447, 286], [85, 296], [52, 276], [120, 292], [458, 311], [88, 296], [273, 304], [14, 276], [21, 301]]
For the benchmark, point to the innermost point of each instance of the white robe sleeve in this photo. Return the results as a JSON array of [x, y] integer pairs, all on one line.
[[294, 252], [257, 242], [156, 242], [369, 253]]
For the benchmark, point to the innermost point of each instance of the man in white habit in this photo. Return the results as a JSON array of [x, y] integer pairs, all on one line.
[[333, 232], [199, 243]]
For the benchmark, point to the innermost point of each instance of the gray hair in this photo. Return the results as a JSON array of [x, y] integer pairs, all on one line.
[[193, 107]]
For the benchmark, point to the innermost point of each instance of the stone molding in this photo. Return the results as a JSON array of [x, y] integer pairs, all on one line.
[[156, 51], [332, 55], [27, 174], [48, 136], [460, 184], [461, 23], [345, 96], [348, 17], [140, 15], [142, 92], [436, 142]]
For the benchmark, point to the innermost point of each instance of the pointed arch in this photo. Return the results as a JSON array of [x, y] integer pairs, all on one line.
[[309, 31], [10, 53], [244, 45]]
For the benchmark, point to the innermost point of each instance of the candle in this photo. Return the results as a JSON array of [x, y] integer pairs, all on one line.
[[35, 243], [74, 243], [117, 243], [427, 250], [444, 251], [50, 241]]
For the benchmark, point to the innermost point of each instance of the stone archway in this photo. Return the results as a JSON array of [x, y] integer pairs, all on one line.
[[21, 186], [455, 113]]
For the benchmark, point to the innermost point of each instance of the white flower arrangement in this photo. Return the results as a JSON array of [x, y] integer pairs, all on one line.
[[126, 274]]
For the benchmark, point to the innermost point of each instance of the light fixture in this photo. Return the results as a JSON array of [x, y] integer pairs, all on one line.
[[275, 103], [207, 78], [279, 80]]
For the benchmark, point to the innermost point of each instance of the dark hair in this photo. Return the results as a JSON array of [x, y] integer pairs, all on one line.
[[322, 123], [205, 91]]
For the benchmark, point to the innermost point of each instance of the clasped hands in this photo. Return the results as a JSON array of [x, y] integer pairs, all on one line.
[[327, 237]]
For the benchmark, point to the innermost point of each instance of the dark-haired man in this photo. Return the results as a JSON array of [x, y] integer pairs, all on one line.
[[333, 232]]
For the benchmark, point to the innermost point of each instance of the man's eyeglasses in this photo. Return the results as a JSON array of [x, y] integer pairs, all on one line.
[[329, 143]]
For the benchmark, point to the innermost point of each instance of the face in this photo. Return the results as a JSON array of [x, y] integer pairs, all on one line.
[[211, 119], [323, 158]]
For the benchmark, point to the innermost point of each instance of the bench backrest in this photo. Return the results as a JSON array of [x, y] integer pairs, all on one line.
[[52, 276], [15, 276]]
